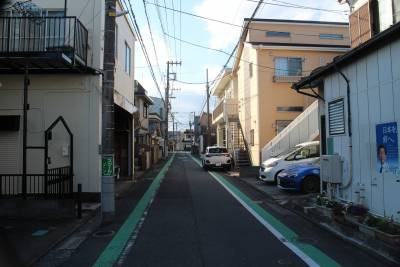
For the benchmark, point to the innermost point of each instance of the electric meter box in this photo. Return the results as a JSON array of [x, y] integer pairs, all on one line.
[[331, 169]]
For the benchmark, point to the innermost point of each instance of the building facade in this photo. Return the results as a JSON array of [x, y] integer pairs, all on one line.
[[271, 56], [142, 132], [64, 73], [359, 118]]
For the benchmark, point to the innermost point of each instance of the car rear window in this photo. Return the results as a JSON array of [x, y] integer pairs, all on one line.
[[217, 150]]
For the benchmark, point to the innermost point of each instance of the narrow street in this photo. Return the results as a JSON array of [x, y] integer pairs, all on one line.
[[195, 221]]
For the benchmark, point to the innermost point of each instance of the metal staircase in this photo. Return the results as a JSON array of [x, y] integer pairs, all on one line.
[[237, 144]]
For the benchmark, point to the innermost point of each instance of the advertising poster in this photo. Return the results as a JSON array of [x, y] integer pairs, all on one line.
[[387, 147]]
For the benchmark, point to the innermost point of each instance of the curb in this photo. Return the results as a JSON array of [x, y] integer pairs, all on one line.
[[328, 228], [91, 215]]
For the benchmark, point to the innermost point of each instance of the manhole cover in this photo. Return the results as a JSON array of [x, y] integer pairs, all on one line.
[[305, 240], [285, 262], [103, 233]]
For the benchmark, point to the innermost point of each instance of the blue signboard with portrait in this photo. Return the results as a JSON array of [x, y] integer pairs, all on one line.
[[387, 147]]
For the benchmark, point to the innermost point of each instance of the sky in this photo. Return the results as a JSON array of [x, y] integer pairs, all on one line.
[[189, 99]]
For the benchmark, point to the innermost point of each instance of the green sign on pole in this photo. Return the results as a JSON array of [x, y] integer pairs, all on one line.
[[107, 165]]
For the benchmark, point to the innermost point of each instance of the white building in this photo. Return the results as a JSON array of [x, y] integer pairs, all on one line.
[[64, 54], [359, 118]]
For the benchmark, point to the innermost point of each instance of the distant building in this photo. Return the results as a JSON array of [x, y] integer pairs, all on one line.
[[142, 133]]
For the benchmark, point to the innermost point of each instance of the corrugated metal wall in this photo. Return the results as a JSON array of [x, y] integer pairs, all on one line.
[[375, 98]]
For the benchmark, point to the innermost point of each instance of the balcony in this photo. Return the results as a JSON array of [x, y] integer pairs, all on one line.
[[43, 44], [226, 109]]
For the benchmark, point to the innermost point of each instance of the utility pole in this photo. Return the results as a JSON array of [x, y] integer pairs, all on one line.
[[173, 128], [167, 102], [208, 109], [107, 140]]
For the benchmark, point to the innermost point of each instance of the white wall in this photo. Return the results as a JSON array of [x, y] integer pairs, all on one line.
[[375, 98], [302, 129], [75, 97]]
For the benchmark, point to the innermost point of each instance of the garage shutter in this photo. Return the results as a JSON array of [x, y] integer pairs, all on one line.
[[336, 117]]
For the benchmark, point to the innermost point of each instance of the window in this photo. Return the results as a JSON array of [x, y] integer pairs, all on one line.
[[289, 109], [116, 41], [285, 66], [252, 137], [217, 150], [9, 122], [305, 153], [277, 34], [336, 117], [281, 124], [251, 70], [145, 110], [128, 55], [331, 36]]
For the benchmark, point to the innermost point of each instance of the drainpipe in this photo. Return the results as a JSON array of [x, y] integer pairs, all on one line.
[[350, 129]]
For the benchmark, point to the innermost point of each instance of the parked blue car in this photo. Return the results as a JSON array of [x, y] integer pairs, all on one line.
[[300, 178]]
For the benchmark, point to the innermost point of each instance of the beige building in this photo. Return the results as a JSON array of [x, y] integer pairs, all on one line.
[[64, 54], [271, 56]]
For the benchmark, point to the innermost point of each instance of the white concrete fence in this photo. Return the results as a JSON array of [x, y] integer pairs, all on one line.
[[302, 129]]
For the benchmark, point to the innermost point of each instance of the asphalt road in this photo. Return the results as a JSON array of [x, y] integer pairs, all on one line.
[[198, 218]]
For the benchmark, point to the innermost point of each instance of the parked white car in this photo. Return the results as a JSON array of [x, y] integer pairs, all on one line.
[[304, 153], [216, 157]]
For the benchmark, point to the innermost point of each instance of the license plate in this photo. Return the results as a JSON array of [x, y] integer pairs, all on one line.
[[218, 164]]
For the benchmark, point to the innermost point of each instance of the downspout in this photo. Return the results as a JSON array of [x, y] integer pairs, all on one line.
[[65, 8], [350, 129]]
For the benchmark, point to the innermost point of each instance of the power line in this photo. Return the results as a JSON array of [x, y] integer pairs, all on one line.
[[173, 24], [152, 40], [229, 54], [162, 28], [291, 5], [229, 23], [141, 42]]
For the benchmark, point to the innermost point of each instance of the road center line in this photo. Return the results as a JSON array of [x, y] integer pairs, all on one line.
[[311, 255], [111, 253]]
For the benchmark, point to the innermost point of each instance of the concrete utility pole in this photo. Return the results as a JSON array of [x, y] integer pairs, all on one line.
[[208, 109], [167, 102], [107, 140]]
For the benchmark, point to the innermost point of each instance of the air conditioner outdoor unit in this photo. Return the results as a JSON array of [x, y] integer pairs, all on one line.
[[331, 169]]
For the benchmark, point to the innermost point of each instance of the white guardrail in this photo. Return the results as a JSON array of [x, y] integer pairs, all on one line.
[[302, 129]]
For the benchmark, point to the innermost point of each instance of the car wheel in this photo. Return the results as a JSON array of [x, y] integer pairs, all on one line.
[[311, 184], [276, 177]]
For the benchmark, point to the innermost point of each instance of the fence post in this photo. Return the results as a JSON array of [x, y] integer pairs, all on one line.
[[59, 180], [79, 201]]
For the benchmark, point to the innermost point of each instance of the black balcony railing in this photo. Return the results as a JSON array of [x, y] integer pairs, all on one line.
[[42, 36]]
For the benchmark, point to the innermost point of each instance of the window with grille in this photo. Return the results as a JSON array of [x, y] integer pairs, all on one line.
[[277, 34], [288, 66], [336, 117], [252, 137], [331, 36]]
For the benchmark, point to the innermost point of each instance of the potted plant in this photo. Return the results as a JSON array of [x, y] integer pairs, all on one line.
[[388, 232], [384, 229]]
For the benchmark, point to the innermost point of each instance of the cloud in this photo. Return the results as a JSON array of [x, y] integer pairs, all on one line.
[[234, 11]]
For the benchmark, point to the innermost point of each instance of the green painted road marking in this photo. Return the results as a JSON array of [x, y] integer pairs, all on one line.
[[113, 250], [311, 255]]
